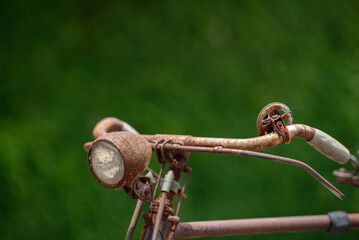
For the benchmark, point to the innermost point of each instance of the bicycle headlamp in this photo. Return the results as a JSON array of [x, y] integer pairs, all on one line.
[[116, 159]]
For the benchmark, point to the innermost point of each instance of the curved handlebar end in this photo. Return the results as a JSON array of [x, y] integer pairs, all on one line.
[[109, 124]]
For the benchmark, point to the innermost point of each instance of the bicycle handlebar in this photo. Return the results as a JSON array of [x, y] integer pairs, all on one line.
[[321, 141], [318, 139]]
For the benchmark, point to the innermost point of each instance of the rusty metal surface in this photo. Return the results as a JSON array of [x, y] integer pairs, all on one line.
[[344, 176], [301, 131], [163, 201], [220, 150], [263, 123], [143, 189], [159, 215], [354, 220], [162, 208], [258, 226], [182, 192], [134, 220], [175, 138], [174, 220], [111, 124], [106, 125], [280, 127], [252, 144], [136, 154], [87, 146]]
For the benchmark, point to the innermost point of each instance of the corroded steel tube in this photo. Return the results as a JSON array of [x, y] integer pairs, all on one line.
[[161, 208], [134, 219], [252, 144], [166, 188], [321, 141], [111, 124], [258, 226]]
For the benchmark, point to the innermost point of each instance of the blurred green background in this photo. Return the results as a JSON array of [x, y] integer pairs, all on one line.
[[204, 68]]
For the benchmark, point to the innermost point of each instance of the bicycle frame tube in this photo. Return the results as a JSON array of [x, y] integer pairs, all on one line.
[[258, 226]]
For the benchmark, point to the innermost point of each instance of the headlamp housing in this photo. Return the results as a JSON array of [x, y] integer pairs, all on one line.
[[116, 159]]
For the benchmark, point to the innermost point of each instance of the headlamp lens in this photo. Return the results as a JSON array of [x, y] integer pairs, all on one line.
[[107, 162]]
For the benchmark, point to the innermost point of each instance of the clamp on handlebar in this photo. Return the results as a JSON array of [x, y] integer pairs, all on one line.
[[280, 128]]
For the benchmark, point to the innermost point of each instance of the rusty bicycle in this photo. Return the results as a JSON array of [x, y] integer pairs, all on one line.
[[119, 157]]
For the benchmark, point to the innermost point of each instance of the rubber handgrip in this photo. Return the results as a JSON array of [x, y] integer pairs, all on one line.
[[330, 147]]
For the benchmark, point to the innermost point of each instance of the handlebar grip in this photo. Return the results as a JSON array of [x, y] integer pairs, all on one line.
[[329, 147]]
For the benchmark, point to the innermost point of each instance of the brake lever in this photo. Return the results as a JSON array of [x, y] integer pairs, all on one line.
[[347, 177]]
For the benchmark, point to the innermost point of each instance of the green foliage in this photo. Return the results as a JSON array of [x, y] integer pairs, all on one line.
[[204, 68]]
